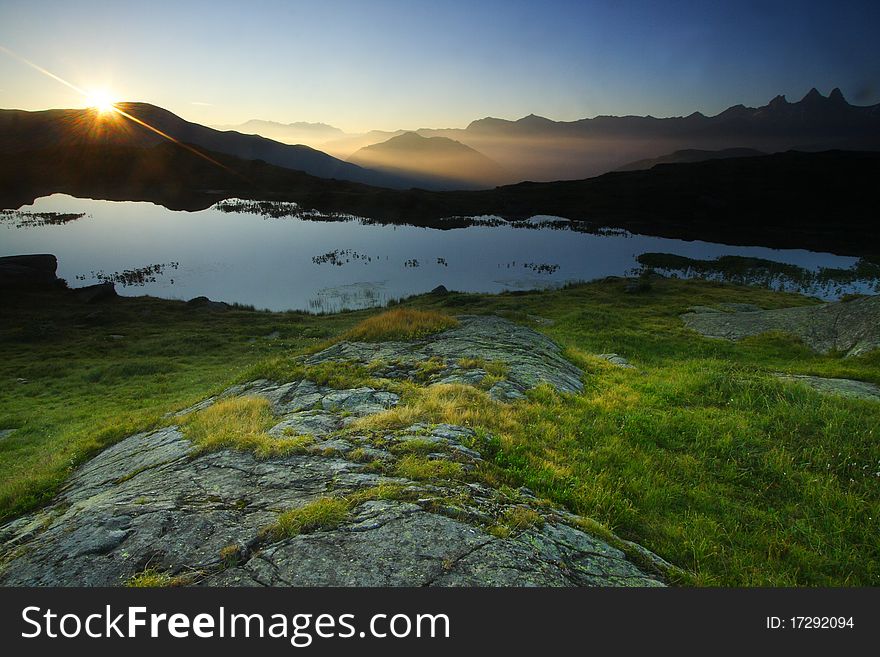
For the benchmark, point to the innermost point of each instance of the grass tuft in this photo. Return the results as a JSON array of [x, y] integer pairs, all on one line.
[[322, 514], [154, 579], [417, 446], [495, 368], [450, 403], [240, 423], [400, 324], [420, 468], [382, 492], [515, 520]]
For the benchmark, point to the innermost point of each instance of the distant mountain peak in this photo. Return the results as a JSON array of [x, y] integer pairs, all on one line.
[[295, 124], [813, 96], [413, 140], [534, 118], [410, 135], [299, 132], [690, 155], [450, 163], [154, 125], [779, 101], [836, 95]]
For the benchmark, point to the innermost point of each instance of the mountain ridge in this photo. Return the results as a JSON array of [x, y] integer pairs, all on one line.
[[812, 97], [530, 148], [443, 161], [540, 149], [298, 132], [690, 155], [21, 130], [747, 201]]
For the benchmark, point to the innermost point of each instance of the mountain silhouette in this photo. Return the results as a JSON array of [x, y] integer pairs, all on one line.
[[814, 114], [786, 200], [21, 131], [532, 148], [346, 146], [320, 136], [540, 149], [536, 148], [300, 132], [690, 155], [444, 163]]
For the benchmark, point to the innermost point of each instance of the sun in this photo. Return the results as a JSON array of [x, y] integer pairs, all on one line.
[[101, 100]]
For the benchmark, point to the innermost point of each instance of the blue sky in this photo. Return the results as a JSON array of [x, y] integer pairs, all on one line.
[[392, 64]]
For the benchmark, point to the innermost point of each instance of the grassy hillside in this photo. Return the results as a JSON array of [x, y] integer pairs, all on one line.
[[698, 453]]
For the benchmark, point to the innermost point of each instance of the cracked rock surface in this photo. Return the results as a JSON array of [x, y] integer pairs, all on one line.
[[531, 358], [839, 387], [152, 501], [851, 327]]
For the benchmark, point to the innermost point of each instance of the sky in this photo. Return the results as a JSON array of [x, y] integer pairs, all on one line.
[[390, 64]]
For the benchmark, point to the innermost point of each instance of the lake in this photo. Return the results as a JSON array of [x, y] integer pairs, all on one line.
[[289, 259]]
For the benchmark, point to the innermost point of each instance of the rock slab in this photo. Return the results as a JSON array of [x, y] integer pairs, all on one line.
[[530, 358], [851, 327], [840, 387], [154, 502]]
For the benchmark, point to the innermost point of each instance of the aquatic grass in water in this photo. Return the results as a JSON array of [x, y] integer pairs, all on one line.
[[823, 281], [29, 219], [131, 277]]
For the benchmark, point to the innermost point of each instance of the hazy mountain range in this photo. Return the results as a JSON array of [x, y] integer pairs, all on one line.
[[487, 153], [300, 132], [440, 162], [321, 136], [22, 131], [698, 177], [690, 155], [537, 148]]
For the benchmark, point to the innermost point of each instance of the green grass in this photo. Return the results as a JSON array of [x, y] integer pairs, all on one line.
[[326, 513], [240, 423], [698, 454], [420, 468], [427, 368], [515, 520], [86, 390], [153, 579], [400, 324], [322, 514], [493, 367], [417, 446]]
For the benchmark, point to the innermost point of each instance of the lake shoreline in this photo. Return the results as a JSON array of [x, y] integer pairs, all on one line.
[[741, 201], [280, 256]]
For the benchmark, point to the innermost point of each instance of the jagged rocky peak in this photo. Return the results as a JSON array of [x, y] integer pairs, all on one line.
[[812, 95], [836, 95]]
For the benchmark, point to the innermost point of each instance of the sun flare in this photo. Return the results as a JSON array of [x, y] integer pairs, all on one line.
[[101, 100]]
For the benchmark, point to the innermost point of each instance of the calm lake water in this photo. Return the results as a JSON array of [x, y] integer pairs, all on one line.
[[291, 262]]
